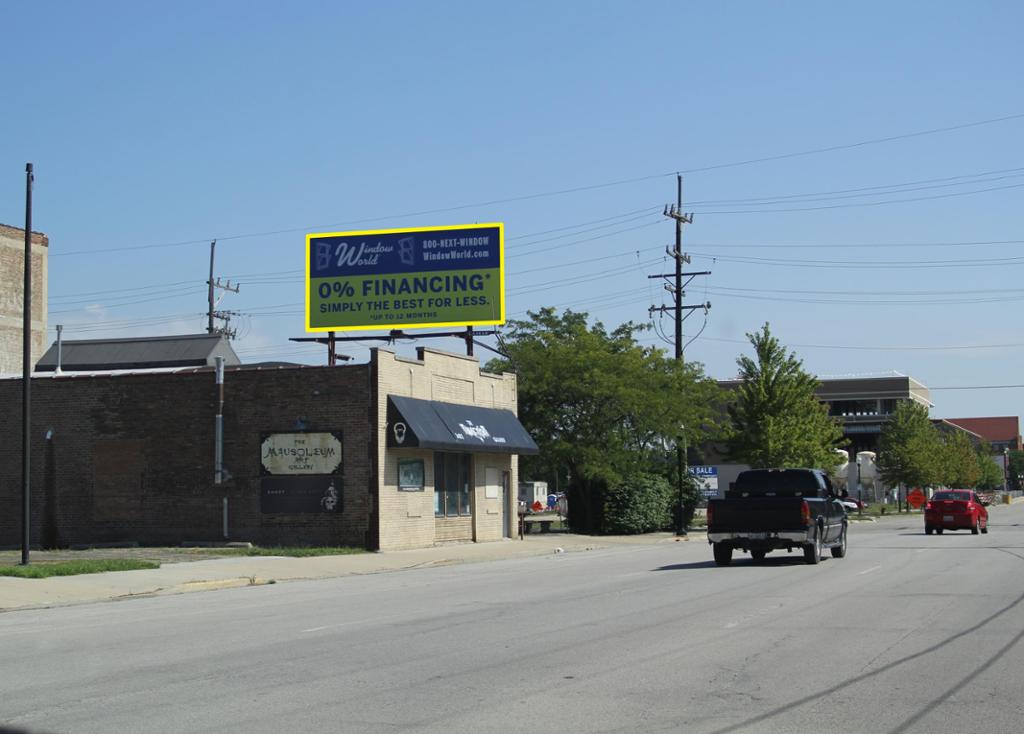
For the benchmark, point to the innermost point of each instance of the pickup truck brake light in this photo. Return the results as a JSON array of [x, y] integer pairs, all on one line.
[[805, 512], [710, 513], [928, 506]]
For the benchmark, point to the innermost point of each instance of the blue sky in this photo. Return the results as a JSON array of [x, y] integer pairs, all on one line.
[[152, 125]]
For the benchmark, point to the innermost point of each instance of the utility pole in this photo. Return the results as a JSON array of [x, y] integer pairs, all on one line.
[[212, 312], [679, 258], [676, 213], [26, 380]]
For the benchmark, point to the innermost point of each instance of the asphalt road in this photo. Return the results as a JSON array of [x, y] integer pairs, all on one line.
[[909, 633]]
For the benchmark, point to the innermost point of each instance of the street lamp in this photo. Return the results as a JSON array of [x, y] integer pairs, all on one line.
[[1006, 468], [860, 489]]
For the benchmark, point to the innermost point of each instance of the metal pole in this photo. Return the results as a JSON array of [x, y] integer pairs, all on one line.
[[679, 473], [218, 471], [1006, 470], [26, 381], [60, 331], [209, 296]]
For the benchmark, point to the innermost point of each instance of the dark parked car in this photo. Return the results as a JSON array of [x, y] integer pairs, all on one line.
[[955, 509]]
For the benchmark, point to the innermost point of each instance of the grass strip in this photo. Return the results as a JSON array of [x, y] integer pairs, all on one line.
[[74, 568], [294, 552], [303, 552]]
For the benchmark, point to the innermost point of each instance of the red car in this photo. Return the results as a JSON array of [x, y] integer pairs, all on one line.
[[955, 509]]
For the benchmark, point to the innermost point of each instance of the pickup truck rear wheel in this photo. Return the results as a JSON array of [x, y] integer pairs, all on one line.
[[723, 554], [839, 551], [812, 551]]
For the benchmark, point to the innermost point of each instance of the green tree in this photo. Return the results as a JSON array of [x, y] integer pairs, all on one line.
[[909, 450], [777, 420], [640, 504], [991, 473], [958, 465], [1016, 470], [600, 406]]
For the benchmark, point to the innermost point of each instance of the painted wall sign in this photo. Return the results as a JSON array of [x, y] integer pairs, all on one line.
[[285, 495], [388, 278], [301, 453]]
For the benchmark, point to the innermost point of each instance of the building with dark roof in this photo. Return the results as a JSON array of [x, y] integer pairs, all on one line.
[[138, 353], [863, 404]]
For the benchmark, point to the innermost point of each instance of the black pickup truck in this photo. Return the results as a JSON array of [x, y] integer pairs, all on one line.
[[772, 509]]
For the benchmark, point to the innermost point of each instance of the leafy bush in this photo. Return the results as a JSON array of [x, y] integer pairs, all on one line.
[[641, 503]]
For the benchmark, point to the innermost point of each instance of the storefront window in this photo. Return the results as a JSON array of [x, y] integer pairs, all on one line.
[[452, 495]]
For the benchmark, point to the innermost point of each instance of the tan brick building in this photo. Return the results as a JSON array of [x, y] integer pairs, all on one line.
[[12, 287], [477, 502]]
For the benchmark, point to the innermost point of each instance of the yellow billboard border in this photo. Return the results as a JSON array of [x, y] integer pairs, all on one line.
[[388, 327]]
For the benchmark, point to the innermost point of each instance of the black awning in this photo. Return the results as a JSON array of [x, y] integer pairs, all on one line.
[[430, 424]]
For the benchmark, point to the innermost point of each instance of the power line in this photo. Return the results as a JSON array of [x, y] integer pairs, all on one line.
[[852, 245], [863, 264], [296, 276], [861, 302], [900, 348], [645, 210], [134, 302], [860, 144], [122, 290], [899, 188], [123, 324], [864, 204], [577, 280], [558, 192], [944, 292], [588, 239]]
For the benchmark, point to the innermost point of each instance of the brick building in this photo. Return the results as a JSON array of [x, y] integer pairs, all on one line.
[[1001, 432], [12, 296], [312, 455]]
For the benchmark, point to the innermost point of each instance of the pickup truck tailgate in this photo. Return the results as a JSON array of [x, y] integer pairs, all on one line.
[[757, 515]]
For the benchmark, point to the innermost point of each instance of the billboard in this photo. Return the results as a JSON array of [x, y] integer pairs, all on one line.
[[393, 278]]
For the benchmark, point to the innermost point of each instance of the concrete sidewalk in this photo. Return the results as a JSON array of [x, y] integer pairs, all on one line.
[[233, 571]]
